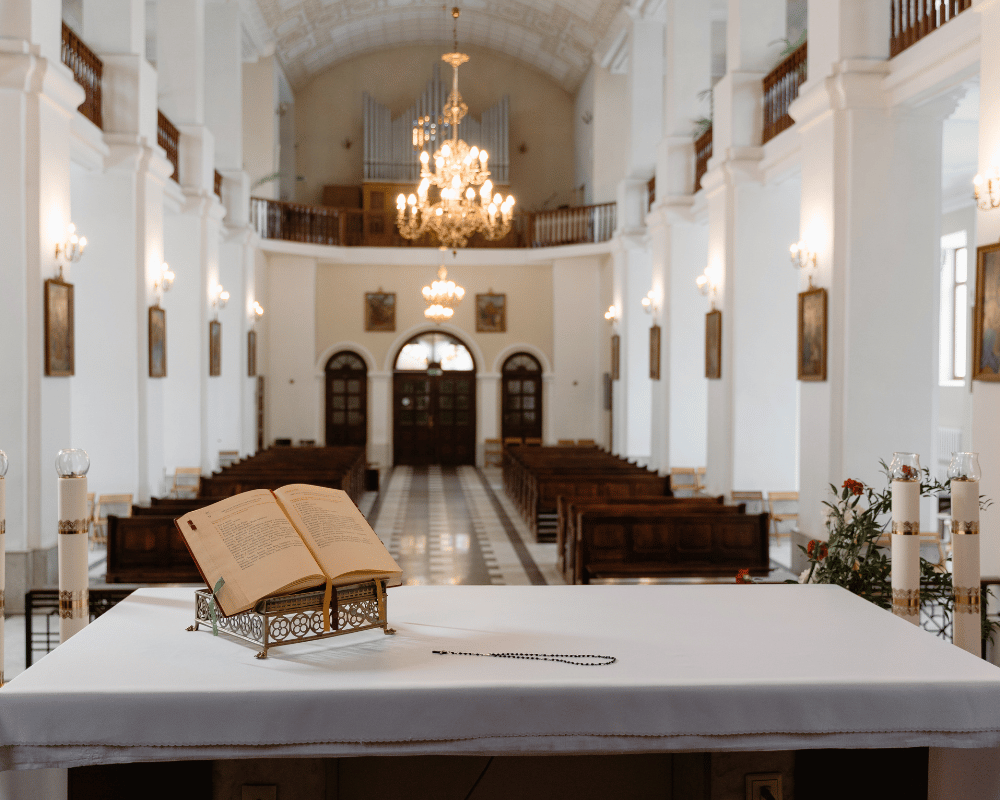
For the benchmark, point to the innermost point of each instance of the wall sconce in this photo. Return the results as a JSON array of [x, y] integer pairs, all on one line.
[[164, 282], [986, 188], [650, 304], [708, 283], [219, 298], [803, 258], [72, 249], [612, 315], [256, 312]]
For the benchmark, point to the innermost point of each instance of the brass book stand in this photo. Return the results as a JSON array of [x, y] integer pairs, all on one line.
[[296, 618]]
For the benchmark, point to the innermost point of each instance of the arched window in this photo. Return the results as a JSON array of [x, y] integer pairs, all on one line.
[[522, 397], [434, 401], [346, 400]]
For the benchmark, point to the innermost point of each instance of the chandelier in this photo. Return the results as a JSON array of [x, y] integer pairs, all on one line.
[[441, 297], [447, 202]]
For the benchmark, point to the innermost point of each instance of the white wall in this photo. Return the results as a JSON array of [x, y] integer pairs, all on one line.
[[611, 128]]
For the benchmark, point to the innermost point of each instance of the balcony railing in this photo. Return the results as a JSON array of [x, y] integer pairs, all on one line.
[[702, 153], [912, 20], [352, 227], [87, 70], [781, 87], [169, 138], [576, 225], [218, 184]]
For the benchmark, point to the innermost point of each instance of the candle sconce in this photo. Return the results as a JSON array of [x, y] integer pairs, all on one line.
[[219, 298], [650, 303], [612, 315], [708, 284], [70, 251], [986, 189], [803, 258], [164, 282]]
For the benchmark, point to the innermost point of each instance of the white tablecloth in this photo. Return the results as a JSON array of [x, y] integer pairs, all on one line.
[[699, 668]]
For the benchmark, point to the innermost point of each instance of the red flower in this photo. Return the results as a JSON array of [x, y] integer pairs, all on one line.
[[909, 472], [743, 576], [857, 487], [823, 550], [811, 547]]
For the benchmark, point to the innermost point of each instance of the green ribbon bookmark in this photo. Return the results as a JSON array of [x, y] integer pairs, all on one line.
[[211, 606]]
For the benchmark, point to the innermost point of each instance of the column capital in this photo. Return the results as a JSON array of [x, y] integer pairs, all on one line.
[[23, 70]]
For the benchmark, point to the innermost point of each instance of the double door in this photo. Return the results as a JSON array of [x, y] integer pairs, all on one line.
[[434, 418]]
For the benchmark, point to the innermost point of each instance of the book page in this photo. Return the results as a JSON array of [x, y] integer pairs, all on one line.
[[337, 534], [248, 541]]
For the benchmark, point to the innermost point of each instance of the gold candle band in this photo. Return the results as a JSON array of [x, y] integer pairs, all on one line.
[[3, 604], [905, 602], [906, 528], [3, 526], [965, 527], [967, 600], [72, 526], [74, 605]]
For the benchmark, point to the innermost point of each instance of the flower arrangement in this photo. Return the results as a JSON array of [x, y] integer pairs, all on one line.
[[851, 557]]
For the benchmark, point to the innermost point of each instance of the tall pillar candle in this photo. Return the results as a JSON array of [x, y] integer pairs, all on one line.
[[965, 574], [905, 472], [74, 597], [3, 552]]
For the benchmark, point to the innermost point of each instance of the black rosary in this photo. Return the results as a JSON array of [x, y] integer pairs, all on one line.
[[595, 661]]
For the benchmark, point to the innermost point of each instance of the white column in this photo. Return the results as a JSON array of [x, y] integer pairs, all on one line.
[[38, 99], [877, 256], [487, 411], [380, 419], [751, 408], [678, 245], [986, 395]]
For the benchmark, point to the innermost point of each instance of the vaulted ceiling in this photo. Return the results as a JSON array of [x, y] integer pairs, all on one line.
[[555, 36]]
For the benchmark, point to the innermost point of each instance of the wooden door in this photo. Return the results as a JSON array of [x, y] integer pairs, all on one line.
[[434, 418], [522, 397], [346, 401]]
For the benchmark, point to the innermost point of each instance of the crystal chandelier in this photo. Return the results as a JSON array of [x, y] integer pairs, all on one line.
[[441, 297], [455, 211]]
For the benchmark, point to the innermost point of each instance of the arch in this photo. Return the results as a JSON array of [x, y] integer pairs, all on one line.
[[522, 402], [354, 347], [441, 362], [397, 344], [521, 347]]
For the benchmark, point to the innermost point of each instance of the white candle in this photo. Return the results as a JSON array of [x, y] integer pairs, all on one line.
[[906, 550], [3, 565], [965, 564], [74, 600]]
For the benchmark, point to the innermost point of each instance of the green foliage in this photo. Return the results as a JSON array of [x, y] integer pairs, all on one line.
[[851, 557]]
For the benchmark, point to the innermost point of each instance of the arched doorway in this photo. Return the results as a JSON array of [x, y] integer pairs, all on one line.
[[346, 400], [434, 401], [521, 397]]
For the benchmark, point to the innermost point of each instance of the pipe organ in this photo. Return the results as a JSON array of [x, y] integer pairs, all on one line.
[[390, 152]]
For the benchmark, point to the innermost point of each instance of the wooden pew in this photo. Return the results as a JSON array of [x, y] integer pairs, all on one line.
[[148, 549], [645, 543], [569, 507]]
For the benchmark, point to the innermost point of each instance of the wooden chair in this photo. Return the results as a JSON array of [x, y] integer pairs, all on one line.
[[783, 507], [228, 457], [586, 443], [754, 501], [187, 481], [684, 481], [699, 479], [492, 453], [118, 504], [533, 442], [512, 441], [566, 443], [307, 442]]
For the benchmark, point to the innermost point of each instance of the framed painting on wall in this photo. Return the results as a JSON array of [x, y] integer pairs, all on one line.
[[986, 324], [713, 345], [252, 354], [157, 342], [812, 335], [491, 313], [214, 349], [380, 311], [616, 346], [59, 349], [654, 353]]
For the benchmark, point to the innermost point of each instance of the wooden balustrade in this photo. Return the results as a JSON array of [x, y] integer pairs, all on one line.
[[912, 20], [169, 138], [87, 69], [349, 227], [576, 225], [781, 87], [702, 153], [218, 184]]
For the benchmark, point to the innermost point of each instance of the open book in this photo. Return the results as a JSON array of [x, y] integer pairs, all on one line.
[[264, 543]]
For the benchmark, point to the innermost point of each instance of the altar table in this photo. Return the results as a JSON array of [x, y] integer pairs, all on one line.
[[699, 668]]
